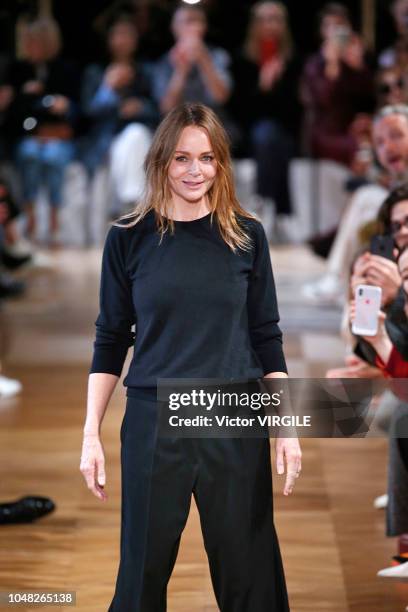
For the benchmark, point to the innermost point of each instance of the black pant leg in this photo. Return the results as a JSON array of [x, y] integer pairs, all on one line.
[[157, 479], [234, 497], [170, 499]]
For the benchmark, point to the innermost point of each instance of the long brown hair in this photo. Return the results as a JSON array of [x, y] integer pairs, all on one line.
[[251, 45], [225, 207]]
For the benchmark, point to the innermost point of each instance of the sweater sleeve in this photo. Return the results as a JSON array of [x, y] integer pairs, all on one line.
[[116, 313], [263, 315]]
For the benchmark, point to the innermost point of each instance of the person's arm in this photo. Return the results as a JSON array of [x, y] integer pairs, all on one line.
[[169, 80], [104, 102], [113, 338], [215, 74], [266, 340], [316, 89]]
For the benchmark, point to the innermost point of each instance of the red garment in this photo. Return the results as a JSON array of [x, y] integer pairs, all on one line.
[[397, 369], [396, 366]]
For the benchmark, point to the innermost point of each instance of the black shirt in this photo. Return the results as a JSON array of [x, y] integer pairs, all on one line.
[[200, 311]]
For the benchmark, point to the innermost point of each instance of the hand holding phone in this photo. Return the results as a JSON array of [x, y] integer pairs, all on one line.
[[367, 307]]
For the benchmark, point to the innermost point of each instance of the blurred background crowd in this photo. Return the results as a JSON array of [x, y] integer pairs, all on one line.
[[315, 105]]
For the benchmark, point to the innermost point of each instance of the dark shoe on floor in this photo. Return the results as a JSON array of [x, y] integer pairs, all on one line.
[[13, 262], [25, 510], [322, 243], [9, 287]]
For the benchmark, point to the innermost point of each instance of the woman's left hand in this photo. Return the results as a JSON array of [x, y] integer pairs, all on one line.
[[381, 342], [381, 334], [288, 449]]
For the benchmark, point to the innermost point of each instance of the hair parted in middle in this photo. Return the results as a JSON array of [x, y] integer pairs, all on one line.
[[224, 205], [397, 195], [252, 41]]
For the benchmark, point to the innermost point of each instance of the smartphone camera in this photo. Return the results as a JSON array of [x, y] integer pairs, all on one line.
[[360, 292]]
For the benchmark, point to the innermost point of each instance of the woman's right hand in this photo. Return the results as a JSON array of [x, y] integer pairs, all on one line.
[[93, 465]]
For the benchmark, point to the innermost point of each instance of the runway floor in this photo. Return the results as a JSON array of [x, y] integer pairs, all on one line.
[[332, 539]]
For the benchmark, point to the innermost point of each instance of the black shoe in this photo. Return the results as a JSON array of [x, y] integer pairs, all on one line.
[[322, 243], [25, 510], [400, 559], [9, 287], [13, 262]]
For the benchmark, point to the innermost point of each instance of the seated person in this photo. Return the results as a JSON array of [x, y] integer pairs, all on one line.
[[43, 114], [382, 272], [266, 74], [397, 55], [336, 85], [120, 114], [192, 71], [391, 360], [390, 140]]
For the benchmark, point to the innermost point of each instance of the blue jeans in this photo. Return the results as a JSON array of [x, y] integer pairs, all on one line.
[[272, 148], [43, 163]]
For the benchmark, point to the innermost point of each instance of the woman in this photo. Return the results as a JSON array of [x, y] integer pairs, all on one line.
[[116, 100], [192, 269], [265, 103], [43, 114], [390, 87], [336, 85], [191, 70], [394, 365]]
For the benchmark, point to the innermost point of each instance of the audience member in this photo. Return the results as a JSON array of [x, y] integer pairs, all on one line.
[[390, 141], [390, 86], [43, 115], [389, 359], [264, 104], [337, 84], [9, 287], [116, 99], [397, 55], [192, 70]]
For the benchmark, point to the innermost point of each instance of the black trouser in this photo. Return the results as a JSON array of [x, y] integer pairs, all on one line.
[[231, 482]]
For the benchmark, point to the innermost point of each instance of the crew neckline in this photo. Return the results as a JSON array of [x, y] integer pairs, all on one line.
[[198, 220]]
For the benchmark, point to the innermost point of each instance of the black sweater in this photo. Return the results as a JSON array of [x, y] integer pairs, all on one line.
[[200, 310]]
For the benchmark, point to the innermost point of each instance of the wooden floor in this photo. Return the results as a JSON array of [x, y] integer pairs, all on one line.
[[332, 539]]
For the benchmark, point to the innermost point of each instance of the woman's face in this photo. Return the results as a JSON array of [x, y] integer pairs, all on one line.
[[390, 88], [399, 217], [122, 40], [270, 21], [193, 167], [188, 22]]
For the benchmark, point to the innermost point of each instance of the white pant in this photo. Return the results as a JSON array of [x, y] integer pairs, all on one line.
[[127, 155], [362, 208]]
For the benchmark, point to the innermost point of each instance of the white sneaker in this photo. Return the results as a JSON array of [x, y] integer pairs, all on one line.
[[398, 572], [9, 387], [381, 502], [20, 248], [327, 289], [42, 260]]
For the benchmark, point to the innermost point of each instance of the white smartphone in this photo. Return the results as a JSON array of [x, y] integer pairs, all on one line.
[[368, 303]]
